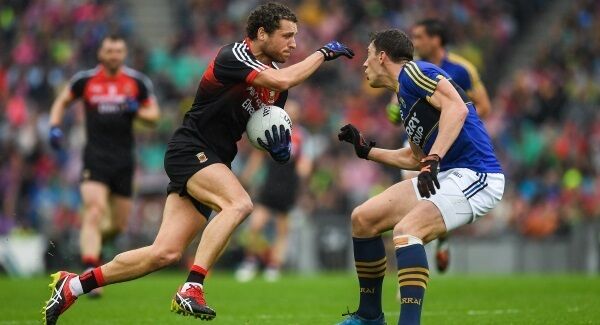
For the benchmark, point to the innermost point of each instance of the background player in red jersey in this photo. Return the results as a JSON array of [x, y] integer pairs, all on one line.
[[113, 95], [242, 78], [276, 198]]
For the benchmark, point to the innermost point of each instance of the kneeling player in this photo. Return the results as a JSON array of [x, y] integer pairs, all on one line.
[[460, 178]]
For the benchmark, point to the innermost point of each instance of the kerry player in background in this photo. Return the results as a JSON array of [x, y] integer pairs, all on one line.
[[241, 78], [113, 96], [460, 178]]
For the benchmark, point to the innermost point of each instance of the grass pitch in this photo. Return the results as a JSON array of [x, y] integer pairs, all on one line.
[[568, 299]]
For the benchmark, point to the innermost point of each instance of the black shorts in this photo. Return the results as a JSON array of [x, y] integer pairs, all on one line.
[[280, 188], [117, 176], [181, 163]]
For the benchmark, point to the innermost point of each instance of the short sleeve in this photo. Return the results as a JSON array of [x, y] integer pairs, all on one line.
[[235, 64], [77, 84], [420, 82], [145, 90], [466, 75]]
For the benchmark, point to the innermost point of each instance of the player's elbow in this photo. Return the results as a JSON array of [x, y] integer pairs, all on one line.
[[274, 80], [154, 117], [461, 110], [281, 84]]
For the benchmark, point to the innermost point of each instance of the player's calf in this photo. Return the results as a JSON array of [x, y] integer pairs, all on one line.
[[422, 224], [371, 264], [413, 275]]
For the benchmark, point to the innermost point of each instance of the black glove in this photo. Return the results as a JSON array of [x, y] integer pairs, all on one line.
[[350, 134], [334, 50], [427, 180], [56, 137], [279, 145]]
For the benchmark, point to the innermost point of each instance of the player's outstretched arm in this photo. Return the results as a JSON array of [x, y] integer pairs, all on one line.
[[452, 117], [286, 78], [404, 158], [57, 111]]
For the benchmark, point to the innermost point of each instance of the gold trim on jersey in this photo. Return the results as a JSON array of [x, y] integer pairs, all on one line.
[[417, 76], [471, 70]]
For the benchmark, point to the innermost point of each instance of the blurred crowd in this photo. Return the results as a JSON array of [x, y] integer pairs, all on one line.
[[545, 120], [547, 128]]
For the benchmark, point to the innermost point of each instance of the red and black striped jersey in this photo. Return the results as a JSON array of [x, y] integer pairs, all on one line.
[[225, 100], [109, 125]]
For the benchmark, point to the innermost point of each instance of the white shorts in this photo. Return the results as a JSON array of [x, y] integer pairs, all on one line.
[[465, 195]]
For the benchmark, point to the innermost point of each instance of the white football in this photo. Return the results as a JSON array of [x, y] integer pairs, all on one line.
[[264, 119]]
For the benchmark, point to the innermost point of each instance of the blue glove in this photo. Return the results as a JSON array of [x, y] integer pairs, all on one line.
[[130, 105], [56, 136], [279, 145], [334, 50]]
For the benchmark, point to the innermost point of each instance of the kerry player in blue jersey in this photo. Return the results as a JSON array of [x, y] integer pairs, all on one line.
[[460, 178], [430, 37]]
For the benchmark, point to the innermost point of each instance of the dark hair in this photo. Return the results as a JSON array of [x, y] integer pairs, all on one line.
[[395, 43], [268, 16], [435, 27], [113, 37]]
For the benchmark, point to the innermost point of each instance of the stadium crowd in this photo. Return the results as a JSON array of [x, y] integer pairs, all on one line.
[[545, 120]]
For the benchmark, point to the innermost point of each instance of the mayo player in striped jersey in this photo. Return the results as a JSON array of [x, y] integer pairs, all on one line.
[[460, 178], [242, 78]]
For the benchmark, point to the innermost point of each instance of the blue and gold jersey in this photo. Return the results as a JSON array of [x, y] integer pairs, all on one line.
[[461, 71], [472, 148]]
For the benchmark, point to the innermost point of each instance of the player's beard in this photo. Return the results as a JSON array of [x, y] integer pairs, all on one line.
[[112, 67], [275, 56]]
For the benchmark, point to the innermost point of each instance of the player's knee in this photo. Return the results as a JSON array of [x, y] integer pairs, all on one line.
[[404, 228], [361, 224], [241, 208], [162, 257], [93, 212]]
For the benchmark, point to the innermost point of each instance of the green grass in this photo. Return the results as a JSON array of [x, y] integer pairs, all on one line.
[[569, 299]]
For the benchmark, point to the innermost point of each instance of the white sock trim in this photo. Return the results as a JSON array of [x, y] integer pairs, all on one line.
[[406, 240], [75, 286], [189, 284]]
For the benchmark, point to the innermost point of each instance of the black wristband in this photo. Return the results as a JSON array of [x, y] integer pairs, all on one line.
[[363, 151]]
